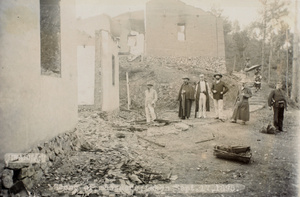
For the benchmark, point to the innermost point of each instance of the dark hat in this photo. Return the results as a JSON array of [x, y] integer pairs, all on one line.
[[247, 58], [185, 77], [218, 75]]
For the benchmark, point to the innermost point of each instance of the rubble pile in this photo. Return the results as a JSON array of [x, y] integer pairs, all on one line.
[[104, 159], [91, 159], [90, 170]]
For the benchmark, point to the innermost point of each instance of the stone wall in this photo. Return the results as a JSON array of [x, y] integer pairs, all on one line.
[[17, 176], [213, 64]]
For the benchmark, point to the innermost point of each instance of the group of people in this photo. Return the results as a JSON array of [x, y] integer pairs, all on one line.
[[201, 92]]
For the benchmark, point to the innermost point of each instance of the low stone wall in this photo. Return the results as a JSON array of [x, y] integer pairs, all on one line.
[[213, 64], [17, 177]]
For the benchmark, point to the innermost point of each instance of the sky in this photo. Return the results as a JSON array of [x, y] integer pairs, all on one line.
[[244, 11]]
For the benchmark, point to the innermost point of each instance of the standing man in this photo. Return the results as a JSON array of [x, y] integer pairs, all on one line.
[[219, 88], [202, 98], [278, 101], [241, 108], [185, 98], [150, 100], [257, 80]]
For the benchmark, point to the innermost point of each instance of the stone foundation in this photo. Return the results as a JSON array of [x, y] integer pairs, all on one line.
[[17, 176], [212, 64]]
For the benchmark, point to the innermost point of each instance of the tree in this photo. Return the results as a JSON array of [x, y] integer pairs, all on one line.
[[272, 13], [295, 84]]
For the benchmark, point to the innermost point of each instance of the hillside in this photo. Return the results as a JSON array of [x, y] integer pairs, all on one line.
[[167, 81]]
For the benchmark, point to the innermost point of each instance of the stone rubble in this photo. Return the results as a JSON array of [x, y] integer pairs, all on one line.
[[86, 161]]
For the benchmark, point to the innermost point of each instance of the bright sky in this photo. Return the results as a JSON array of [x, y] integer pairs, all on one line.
[[244, 11]]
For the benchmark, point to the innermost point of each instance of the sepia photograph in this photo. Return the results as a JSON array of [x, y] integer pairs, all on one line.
[[149, 98]]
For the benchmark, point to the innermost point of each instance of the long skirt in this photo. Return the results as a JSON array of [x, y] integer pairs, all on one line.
[[241, 111]]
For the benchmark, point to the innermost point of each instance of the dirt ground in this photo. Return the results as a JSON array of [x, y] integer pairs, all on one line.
[[178, 157], [273, 167], [271, 172]]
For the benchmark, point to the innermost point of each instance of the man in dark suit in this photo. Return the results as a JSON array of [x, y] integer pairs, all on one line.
[[219, 88], [278, 101], [185, 98]]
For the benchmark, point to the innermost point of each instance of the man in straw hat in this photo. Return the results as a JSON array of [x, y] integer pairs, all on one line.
[[202, 97], [278, 101], [241, 108], [185, 98], [150, 100], [219, 88]]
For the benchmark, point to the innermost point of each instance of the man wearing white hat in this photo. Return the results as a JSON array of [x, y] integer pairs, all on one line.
[[185, 98], [150, 100], [219, 88]]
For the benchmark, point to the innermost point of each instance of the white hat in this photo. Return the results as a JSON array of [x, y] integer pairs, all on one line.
[[149, 84]]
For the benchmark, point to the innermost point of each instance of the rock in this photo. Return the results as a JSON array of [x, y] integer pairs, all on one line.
[[173, 177], [134, 178], [270, 129], [28, 183], [181, 126], [38, 175], [17, 187], [120, 135], [26, 172], [7, 178]]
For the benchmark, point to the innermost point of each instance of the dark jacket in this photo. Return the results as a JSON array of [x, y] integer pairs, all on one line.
[[189, 92], [219, 87], [276, 96]]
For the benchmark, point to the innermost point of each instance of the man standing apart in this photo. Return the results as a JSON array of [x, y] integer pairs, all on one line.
[[150, 100], [202, 98], [219, 88], [241, 109], [185, 98], [278, 101]]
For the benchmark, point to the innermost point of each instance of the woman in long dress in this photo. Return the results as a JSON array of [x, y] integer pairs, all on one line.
[[241, 109]]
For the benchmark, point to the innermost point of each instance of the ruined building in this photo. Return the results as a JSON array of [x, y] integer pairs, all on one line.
[[98, 64], [38, 97], [175, 33]]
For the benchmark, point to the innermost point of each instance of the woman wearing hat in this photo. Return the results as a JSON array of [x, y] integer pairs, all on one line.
[[219, 88], [241, 108], [185, 98]]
